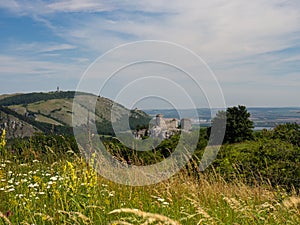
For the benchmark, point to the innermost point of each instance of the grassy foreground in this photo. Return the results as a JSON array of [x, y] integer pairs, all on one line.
[[46, 188]]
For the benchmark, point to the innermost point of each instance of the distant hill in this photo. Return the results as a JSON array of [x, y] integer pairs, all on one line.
[[24, 114]]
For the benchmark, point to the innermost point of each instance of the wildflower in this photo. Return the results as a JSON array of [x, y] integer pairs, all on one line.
[[11, 181], [2, 140], [53, 178], [9, 186], [10, 190], [33, 185], [36, 179]]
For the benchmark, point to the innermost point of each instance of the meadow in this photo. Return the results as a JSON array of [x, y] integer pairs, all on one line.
[[56, 186]]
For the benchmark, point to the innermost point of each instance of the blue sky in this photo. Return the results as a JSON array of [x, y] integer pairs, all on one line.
[[252, 47]]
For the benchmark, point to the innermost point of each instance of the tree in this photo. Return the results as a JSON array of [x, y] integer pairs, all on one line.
[[289, 132], [216, 131], [238, 124]]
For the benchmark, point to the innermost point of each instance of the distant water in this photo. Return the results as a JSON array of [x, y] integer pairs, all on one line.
[[261, 128]]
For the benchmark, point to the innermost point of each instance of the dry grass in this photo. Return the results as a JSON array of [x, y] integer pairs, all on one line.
[[150, 217], [5, 218], [292, 202]]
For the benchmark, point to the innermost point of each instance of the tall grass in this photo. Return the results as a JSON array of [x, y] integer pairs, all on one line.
[[60, 188]]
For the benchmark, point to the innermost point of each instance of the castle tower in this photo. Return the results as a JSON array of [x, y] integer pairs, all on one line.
[[160, 121], [186, 124]]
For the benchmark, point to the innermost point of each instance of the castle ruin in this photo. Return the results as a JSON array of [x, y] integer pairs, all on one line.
[[166, 127]]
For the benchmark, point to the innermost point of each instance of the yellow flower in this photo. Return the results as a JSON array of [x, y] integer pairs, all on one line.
[[3, 141], [37, 179]]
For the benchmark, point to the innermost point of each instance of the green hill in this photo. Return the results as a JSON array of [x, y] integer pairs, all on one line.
[[52, 113]]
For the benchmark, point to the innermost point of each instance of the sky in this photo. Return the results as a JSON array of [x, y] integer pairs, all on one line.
[[251, 47]]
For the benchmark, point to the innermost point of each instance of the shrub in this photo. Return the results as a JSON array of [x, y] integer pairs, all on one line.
[[266, 161]]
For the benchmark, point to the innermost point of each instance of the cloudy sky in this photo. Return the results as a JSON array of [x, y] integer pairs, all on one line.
[[253, 47]]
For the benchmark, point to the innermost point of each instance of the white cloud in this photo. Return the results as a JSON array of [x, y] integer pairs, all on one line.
[[16, 65], [58, 47], [79, 6], [36, 47], [217, 29], [10, 4], [292, 59], [239, 39]]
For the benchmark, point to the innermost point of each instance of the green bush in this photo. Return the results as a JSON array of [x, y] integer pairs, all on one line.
[[265, 161]]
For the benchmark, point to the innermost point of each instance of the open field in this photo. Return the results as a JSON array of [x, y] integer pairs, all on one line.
[[59, 188]]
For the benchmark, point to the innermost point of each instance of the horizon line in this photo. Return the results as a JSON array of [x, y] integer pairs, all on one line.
[[227, 106]]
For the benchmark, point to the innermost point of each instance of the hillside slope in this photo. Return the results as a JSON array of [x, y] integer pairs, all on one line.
[[52, 113], [15, 127]]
